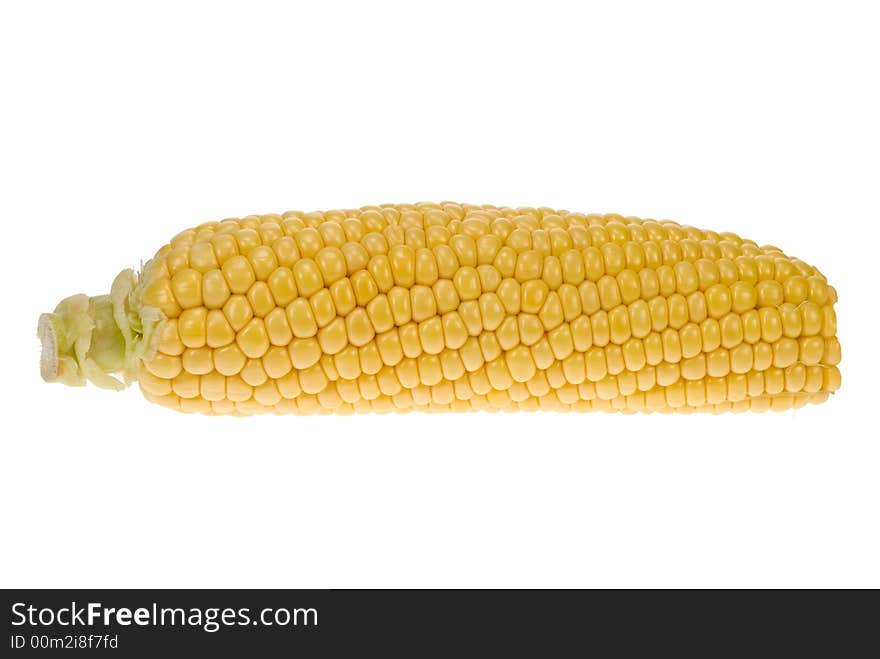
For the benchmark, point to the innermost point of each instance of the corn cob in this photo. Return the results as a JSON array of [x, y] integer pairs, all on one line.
[[448, 307]]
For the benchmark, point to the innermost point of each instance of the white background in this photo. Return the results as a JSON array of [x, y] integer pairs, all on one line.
[[123, 124]]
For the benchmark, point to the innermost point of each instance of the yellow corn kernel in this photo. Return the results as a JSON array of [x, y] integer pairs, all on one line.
[[198, 361], [260, 299], [301, 319], [263, 261], [191, 327], [164, 366], [358, 327], [431, 335], [215, 290], [253, 339], [446, 297], [239, 274], [238, 311], [253, 373], [322, 307], [187, 287]]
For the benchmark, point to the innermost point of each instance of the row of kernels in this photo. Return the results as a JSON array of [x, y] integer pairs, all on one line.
[[625, 325], [214, 288], [573, 267], [596, 363], [212, 249], [425, 386], [605, 228], [239, 275], [793, 382], [670, 347], [560, 401]]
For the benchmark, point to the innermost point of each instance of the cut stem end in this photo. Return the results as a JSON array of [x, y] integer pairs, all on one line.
[[98, 339], [49, 352]]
